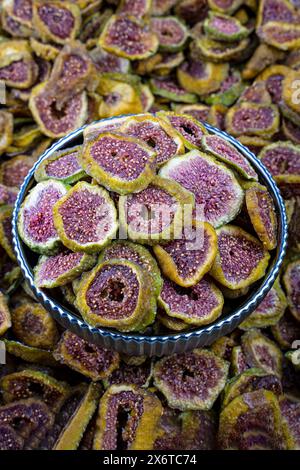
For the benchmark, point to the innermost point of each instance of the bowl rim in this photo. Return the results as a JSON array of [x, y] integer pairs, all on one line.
[[65, 316]]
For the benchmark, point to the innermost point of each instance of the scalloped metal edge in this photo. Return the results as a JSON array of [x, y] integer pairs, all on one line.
[[134, 344]]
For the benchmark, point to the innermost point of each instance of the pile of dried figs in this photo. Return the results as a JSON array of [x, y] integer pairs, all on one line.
[[232, 63]]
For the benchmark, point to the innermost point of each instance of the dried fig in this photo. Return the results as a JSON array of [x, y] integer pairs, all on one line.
[[262, 352], [171, 33], [201, 77], [5, 320], [253, 119], [63, 166], [291, 280]]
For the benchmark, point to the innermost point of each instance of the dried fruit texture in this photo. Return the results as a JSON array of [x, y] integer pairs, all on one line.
[[47, 52], [6, 130], [261, 352], [30, 354], [229, 91], [217, 51], [121, 164], [161, 7], [227, 153], [252, 421], [88, 359], [137, 8], [171, 33], [280, 35], [53, 120], [155, 214], [21, 10], [169, 89], [35, 222], [224, 28], [56, 21], [291, 131], [17, 67], [282, 160], [5, 320], [138, 254], [139, 375], [33, 383], [157, 134], [117, 294], [191, 381], [59, 270], [269, 311], [201, 77], [241, 259], [6, 231], [197, 111], [252, 119], [290, 415], [291, 282], [262, 57], [225, 6], [171, 323], [14, 171], [126, 36], [85, 220], [24, 424], [186, 260], [63, 166], [34, 326], [106, 62], [196, 306], [187, 128], [286, 331]]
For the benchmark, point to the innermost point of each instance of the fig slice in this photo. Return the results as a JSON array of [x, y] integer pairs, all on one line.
[[227, 153], [284, 36], [56, 21], [241, 259], [291, 282], [5, 320], [29, 383], [249, 381], [186, 260], [251, 421], [14, 170], [187, 128], [229, 91], [262, 213], [35, 221], [17, 67], [171, 323], [34, 326], [171, 32], [127, 36], [291, 131], [117, 294], [63, 166], [218, 195], [162, 7], [139, 375], [290, 415], [217, 51], [6, 231], [168, 88], [6, 129], [157, 134], [121, 164], [30, 354], [286, 331], [253, 119], [261, 352], [269, 311], [238, 361], [155, 214], [123, 249], [282, 160], [198, 305], [136, 8], [85, 219], [197, 111], [9, 439], [106, 62], [141, 410], [191, 381], [224, 28], [88, 359], [59, 270], [225, 6]]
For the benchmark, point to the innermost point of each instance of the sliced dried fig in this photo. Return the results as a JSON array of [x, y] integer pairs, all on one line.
[[263, 56], [19, 9], [191, 381], [13, 26], [6, 130], [161, 7], [35, 221], [85, 220], [106, 62], [137, 8], [169, 89], [10, 439], [30, 354], [225, 6], [256, 93], [252, 119], [229, 91], [139, 409], [291, 282], [286, 331], [224, 28], [63, 166], [171, 33], [261, 352], [284, 36], [217, 51], [198, 305], [291, 131], [139, 375], [47, 52], [5, 320], [282, 160], [155, 214], [223, 347], [17, 67], [241, 258], [186, 127], [117, 294], [127, 36], [201, 77], [290, 415], [197, 111], [146, 97], [6, 231], [238, 361], [121, 164], [171, 323]]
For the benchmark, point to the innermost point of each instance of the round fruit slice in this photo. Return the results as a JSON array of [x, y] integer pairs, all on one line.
[[217, 51], [58, 270], [198, 305], [137, 8], [127, 36], [139, 409], [35, 221], [262, 213], [224, 28], [17, 67], [186, 260], [155, 214], [108, 63], [261, 352], [138, 254], [253, 119], [5, 320], [117, 294], [241, 258], [139, 375], [157, 134], [281, 35], [283, 161], [197, 111], [290, 415], [172, 34], [189, 129], [229, 91], [121, 164], [291, 282], [286, 331], [62, 166], [227, 153], [14, 170], [218, 195], [169, 89], [191, 381], [85, 218], [171, 323], [29, 354], [88, 359]]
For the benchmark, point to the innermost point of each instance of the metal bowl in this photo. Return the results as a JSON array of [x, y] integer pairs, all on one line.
[[164, 344]]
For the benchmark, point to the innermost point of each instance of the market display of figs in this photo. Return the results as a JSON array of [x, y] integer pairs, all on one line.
[[106, 224]]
